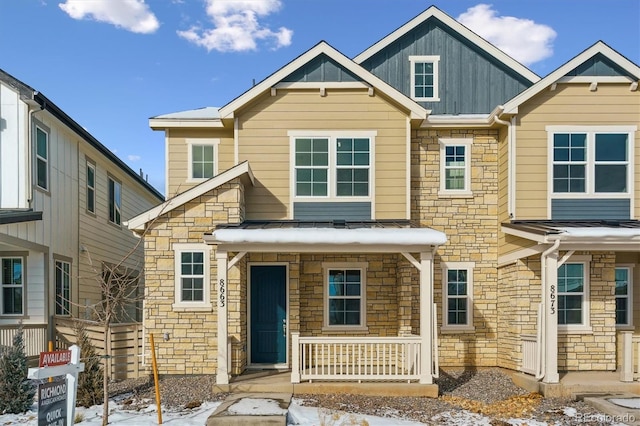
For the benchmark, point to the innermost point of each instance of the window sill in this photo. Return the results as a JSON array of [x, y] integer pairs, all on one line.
[[625, 328], [455, 194], [575, 329], [426, 99], [452, 329], [200, 180], [358, 329], [183, 307]]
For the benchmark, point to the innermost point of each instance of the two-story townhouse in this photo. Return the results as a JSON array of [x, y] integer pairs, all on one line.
[[63, 200], [570, 228], [340, 218]]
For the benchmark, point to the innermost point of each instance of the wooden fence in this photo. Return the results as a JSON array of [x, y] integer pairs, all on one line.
[[123, 343]]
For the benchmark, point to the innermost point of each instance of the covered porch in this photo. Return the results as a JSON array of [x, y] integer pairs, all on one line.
[[335, 325]]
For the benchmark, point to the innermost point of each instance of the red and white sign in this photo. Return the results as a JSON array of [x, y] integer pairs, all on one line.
[[51, 359]]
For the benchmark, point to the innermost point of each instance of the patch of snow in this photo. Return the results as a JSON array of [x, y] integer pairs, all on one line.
[[308, 416], [461, 418], [601, 232], [526, 422], [570, 411], [400, 236], [626, 402], [257, 407]]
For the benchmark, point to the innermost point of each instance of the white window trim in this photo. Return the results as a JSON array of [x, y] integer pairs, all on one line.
[[90, 165], [453, 193], [590, 163], [434, 59], [585, 327], [629, 325], [23, 260], [115, 205], [197, 142], [362, 266], [457, 328], [68, 301], [179, 305], [332, 136], [38, 157]]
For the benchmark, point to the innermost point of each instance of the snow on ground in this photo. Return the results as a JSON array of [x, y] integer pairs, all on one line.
[[626, 402]]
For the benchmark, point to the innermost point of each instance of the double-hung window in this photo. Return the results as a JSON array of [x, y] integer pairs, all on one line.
[[115, 201], [457, 295], [333, 166], [573, 293], [12, 285], [424, 78], [591, 160], [42, 158], [624, 296], [455, 167], [63, 288], [91, 187], [202, 158], [345, 292], [192, 285]]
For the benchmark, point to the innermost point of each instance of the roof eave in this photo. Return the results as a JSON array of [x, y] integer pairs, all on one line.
[[167, 123]]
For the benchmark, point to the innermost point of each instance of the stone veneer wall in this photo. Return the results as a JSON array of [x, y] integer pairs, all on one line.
[[471, 226], [381, 287], [192, 344]]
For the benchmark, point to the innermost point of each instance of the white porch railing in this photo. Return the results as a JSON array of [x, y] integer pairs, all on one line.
[[529, 353], [355, 358], [34, 336]]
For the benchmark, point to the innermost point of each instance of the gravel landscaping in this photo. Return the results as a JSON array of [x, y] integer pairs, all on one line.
[[490, 393]]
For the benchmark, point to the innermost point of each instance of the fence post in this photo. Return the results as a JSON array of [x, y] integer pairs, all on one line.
[[295, 357]]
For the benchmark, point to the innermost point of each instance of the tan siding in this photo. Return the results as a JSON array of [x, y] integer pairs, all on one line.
[[178, 155], [265, 143], [569, 104]]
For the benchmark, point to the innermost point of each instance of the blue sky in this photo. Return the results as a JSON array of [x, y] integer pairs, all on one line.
[[112, 64]]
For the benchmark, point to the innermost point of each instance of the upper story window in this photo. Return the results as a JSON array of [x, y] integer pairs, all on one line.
[[63, 288], [192, 283], [332, 166], [12, 280], [203, 156], [591, 160], [42, 158], [345, 290], [91, 187], [115, 201], [455, 167], [424, 78]]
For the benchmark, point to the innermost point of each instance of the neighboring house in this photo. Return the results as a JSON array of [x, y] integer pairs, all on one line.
[[352, 219], [63, 200]]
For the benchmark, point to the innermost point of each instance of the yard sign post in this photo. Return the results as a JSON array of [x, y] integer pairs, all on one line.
[[60, 363]]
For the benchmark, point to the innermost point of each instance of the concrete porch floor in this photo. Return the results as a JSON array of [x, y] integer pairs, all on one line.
[[280, 382], [577, 384]]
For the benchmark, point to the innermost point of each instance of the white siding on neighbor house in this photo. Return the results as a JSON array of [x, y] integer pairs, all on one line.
[[13, 137]]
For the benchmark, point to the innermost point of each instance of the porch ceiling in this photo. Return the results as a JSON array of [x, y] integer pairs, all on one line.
[[336, 236]]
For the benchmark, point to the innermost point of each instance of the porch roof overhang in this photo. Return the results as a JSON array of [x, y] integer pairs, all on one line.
[[620, 235], [18, 216], [338, 236]]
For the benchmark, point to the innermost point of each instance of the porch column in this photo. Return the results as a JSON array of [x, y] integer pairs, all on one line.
[[426, 315], [222, 373], [551, 318]]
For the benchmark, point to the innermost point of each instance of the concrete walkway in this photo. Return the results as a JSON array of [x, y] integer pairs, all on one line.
[[618, 408], [252, 409]]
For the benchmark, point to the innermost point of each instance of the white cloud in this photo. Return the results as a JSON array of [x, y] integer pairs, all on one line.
[[522, 39], [237, 27], [133, 158], [131, 15]]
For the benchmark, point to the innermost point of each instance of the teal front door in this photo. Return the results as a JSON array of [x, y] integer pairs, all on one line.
[[268, 314]]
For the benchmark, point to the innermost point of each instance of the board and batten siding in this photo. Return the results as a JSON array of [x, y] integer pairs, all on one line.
[[574, 105], [103, 240], [178, 155], [470, 81], [264, 142]]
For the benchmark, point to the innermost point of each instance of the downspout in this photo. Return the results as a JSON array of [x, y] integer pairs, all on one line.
[[510, 158], [542, 342], [434, 323]]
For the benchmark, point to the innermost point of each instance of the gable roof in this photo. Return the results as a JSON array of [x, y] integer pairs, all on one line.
[[137, 223], [323, 47], [511, 107], [435, 13], [200, 117]]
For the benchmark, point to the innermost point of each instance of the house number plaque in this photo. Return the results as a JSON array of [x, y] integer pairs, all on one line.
[[552, 298], [222, 296]]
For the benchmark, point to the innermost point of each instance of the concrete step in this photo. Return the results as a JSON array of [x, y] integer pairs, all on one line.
[[252, 409]]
